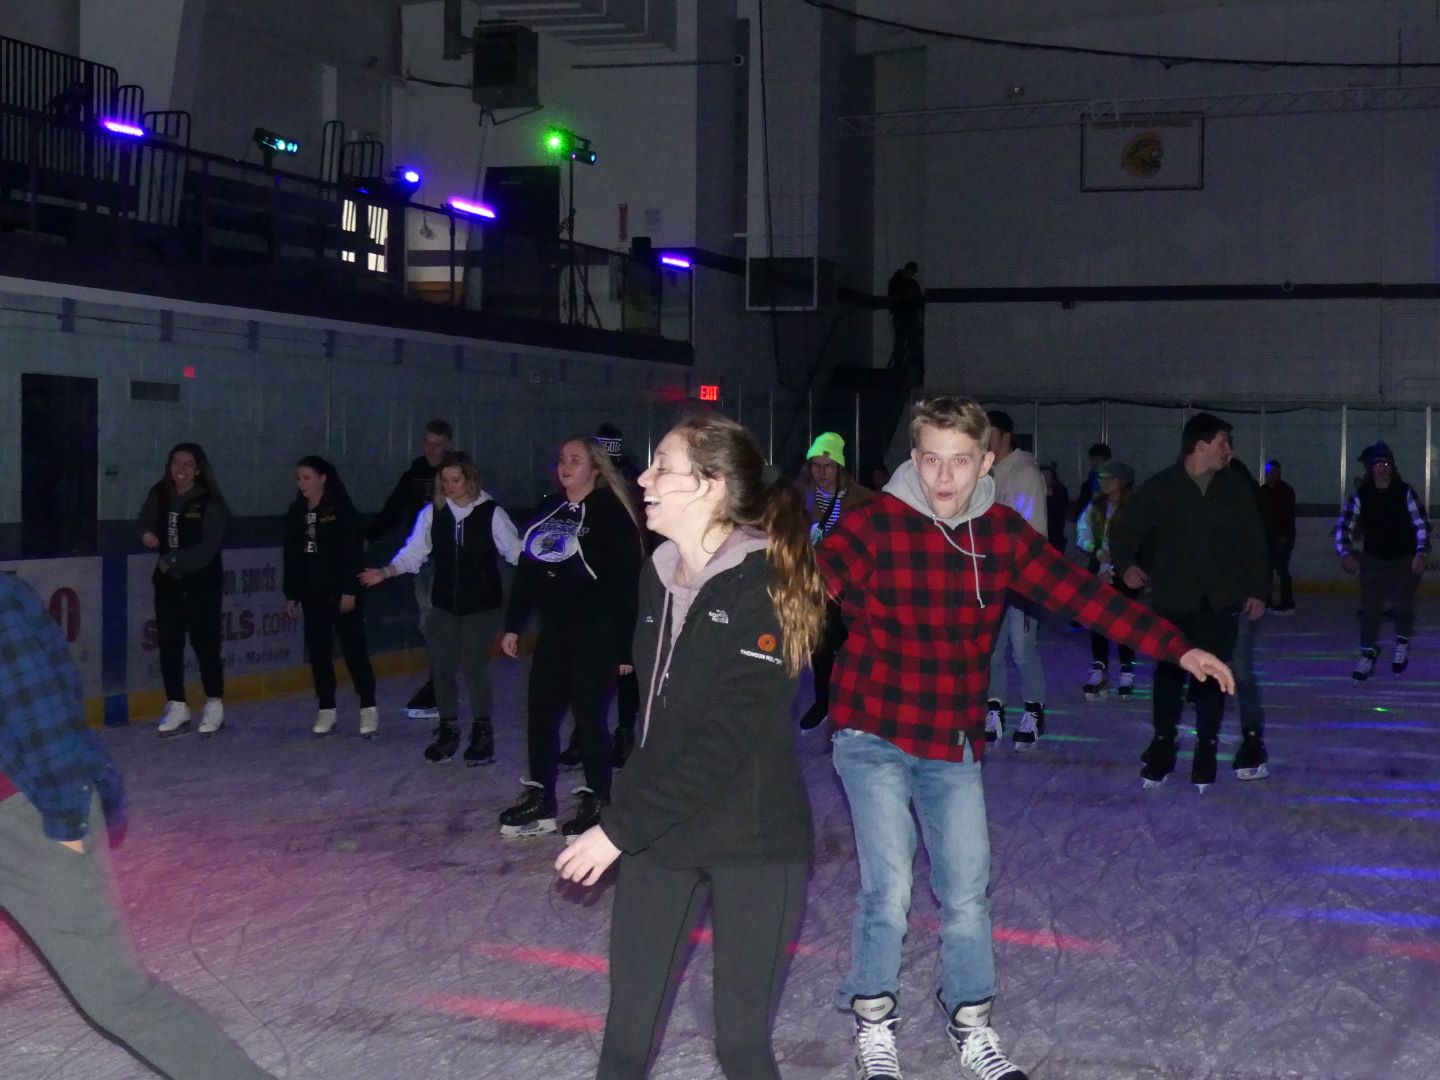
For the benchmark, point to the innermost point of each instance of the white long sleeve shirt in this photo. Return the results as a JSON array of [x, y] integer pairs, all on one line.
[[416, 552]]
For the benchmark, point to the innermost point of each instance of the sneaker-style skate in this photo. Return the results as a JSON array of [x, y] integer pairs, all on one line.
[[1096, 681], [481, 750], [176, 720], [1251, 759], [369, 722], [994, 721], [977, 1045], [1159, 759], [1127, 682], [421, 705], [1365, 666], [447, 741], [587, 813], [325, 721], [875, 1021], [1031, 726], [533, 815], [1401, 658], [212, 717], [1202, 768]]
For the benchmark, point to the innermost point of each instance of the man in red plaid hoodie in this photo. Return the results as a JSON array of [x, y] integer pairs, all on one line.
[[923, 572]]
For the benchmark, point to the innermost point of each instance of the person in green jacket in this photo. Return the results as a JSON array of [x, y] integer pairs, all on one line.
[[1193, 534]]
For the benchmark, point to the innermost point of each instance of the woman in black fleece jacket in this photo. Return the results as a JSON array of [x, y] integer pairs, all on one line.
[[712, 799], [579, 561], [323, 557]]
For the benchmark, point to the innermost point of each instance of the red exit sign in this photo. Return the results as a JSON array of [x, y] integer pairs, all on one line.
[[709, 392]]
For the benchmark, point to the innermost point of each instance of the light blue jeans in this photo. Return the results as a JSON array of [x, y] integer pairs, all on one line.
[[882, 782], [1017, 632]]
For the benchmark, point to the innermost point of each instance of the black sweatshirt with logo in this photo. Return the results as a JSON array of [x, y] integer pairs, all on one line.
[[323, 551], [413, 492]]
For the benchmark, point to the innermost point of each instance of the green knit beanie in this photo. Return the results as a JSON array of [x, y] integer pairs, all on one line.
[[828, 444]]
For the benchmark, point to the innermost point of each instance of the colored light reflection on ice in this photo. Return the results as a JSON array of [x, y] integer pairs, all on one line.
[[1387, 873], [555, 958], [524, 1013], [1402, 920]]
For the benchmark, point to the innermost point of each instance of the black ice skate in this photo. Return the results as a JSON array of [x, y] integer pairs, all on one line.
[[533, 815], [876, 1019], [1127, 682], [587, 813], [1401, 658], [481, 750], [994, 721], [976, 1043], [1202, 768], [421, 705], [447, 741], [1031, 726], [814, 716], [1159, 759], [1251, 758], [1096, 681], [1365, 666]]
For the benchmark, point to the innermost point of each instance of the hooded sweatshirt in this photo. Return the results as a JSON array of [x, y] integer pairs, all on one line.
[[714, 780], [926, 596], [191, 529], [1020, 485]]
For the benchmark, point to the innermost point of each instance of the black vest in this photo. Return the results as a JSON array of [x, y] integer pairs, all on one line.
[[1385, 525], [467, 571]]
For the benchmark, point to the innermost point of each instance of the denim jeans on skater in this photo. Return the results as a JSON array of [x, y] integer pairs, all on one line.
[[881, 783], [1018, 633], [1247, 690]]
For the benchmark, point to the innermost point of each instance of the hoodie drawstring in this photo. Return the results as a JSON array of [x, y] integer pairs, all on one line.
[[655, 672], [974, 556]]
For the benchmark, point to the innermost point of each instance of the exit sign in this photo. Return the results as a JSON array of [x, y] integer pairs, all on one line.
[[709, 392]]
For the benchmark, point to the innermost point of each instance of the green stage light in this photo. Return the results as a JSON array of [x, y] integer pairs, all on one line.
[[555, 140]]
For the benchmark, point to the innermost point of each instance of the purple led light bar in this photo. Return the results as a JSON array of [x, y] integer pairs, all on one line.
[[677, 261], [466, 206], [119, 127]]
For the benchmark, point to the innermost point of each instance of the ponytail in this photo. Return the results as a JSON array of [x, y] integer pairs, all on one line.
[[797, 588]]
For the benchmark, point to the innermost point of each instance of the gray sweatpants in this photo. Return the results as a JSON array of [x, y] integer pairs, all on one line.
[[461, 643], [1386, 581], [62, 900]]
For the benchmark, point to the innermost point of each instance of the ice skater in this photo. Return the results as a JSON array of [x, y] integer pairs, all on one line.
[[1196, 528], [184, 519], [1092, 536], [927, 567], [712, 804], [58, 790], [414, 491], [580, 560], [1383, 535], [463, 533], [324, 556]]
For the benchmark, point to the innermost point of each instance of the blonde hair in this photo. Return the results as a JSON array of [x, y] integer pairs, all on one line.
[[457, 459], [949, 414], [721, 449], [608, 477]]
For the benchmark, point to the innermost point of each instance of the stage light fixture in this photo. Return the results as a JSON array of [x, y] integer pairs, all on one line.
[[679, 262], [565, 143], [405, 181], [274, 144], [121, 127], [470, 207]]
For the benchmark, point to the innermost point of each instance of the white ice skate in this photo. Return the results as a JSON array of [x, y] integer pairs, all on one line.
[[176, 720], [325, 722], [212, 717]]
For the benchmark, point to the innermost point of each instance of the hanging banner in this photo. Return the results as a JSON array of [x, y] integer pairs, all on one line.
[[256, 633], [1143, 153], [70, 590]]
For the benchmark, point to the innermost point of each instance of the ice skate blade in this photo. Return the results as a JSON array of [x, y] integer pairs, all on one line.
[[1398, 670], [438, 760], [1094, 695], [1258, 772], [210, 734], [543, 827], [183, 729], [1146, 784], [368, 735], [1022, 747], [1201, 787], [423, 714], [471, 763]]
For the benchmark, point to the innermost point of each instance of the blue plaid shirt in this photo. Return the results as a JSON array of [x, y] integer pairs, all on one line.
[[46, 748]]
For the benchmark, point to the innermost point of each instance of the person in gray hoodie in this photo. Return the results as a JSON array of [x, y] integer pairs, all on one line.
[[1020, 485], [184, 519], [712, 801]]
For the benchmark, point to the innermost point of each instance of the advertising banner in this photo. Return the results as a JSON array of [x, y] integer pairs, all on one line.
[[255, 632], [70, 589]]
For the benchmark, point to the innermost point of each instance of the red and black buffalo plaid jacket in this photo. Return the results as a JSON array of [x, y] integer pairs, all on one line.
[[924, 602]]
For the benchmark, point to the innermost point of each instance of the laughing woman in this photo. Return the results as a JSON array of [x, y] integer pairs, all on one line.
[[731, 608]]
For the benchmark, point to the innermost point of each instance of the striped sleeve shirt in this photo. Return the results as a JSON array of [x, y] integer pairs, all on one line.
[[1347, 528]]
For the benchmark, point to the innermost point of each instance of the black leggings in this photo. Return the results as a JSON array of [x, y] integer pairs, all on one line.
[[822, 660], [574, 668], [323, 621], [754, 911], [193, 610]]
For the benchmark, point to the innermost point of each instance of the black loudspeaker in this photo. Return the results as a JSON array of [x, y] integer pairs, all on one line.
[[522, 259], [507, 67]]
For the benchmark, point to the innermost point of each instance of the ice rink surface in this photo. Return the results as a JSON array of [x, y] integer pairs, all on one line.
[[348, 912]]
